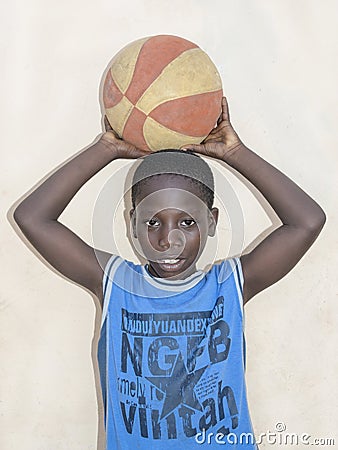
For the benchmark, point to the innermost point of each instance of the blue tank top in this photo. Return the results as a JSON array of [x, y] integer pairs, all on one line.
[[172, 359]]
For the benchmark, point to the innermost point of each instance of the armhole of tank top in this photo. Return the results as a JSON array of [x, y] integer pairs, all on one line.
[[239, 281], [107, 283], [236, 266]]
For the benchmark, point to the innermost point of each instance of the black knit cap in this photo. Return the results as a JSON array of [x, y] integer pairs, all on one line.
[[176, 162]]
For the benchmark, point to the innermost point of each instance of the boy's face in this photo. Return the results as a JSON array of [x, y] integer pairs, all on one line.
[[171, 224]]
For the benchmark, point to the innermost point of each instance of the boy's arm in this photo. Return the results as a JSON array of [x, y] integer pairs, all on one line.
[[37, 215], [302, 218]]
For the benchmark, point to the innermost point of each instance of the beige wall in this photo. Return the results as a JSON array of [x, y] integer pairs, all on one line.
[[278, 63]]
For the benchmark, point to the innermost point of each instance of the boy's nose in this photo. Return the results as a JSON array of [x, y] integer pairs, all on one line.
[[171, 237]]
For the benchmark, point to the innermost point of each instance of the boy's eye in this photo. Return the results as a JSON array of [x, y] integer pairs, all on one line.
[[152, 223], [188, 223]]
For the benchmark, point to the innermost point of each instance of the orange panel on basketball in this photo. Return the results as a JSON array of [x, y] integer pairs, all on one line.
[[133, 130], [111, 93], [203, 111], [154, 56]]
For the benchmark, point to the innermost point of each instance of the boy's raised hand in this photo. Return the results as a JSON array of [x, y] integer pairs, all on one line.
[[119, 147], [222, 140]]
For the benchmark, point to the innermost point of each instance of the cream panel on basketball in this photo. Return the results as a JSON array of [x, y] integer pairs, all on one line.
[[123, 64], [179, 80], [118, 115], [159, 137]]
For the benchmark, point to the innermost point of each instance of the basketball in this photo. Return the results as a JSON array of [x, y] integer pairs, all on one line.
[[162, 92]]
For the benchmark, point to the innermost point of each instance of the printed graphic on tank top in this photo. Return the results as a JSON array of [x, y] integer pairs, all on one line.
[[172, 359]]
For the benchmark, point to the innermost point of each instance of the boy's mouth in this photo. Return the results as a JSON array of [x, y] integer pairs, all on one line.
[[168, 261], [170, 264]]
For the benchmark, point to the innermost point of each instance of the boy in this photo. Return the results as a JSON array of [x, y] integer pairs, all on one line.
[[171, 351]]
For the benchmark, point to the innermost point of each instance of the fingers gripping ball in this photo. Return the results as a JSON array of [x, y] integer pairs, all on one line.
[[162, 92]]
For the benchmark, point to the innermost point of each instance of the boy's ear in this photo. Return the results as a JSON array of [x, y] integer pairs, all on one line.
[[132, 216], [213, 219]]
